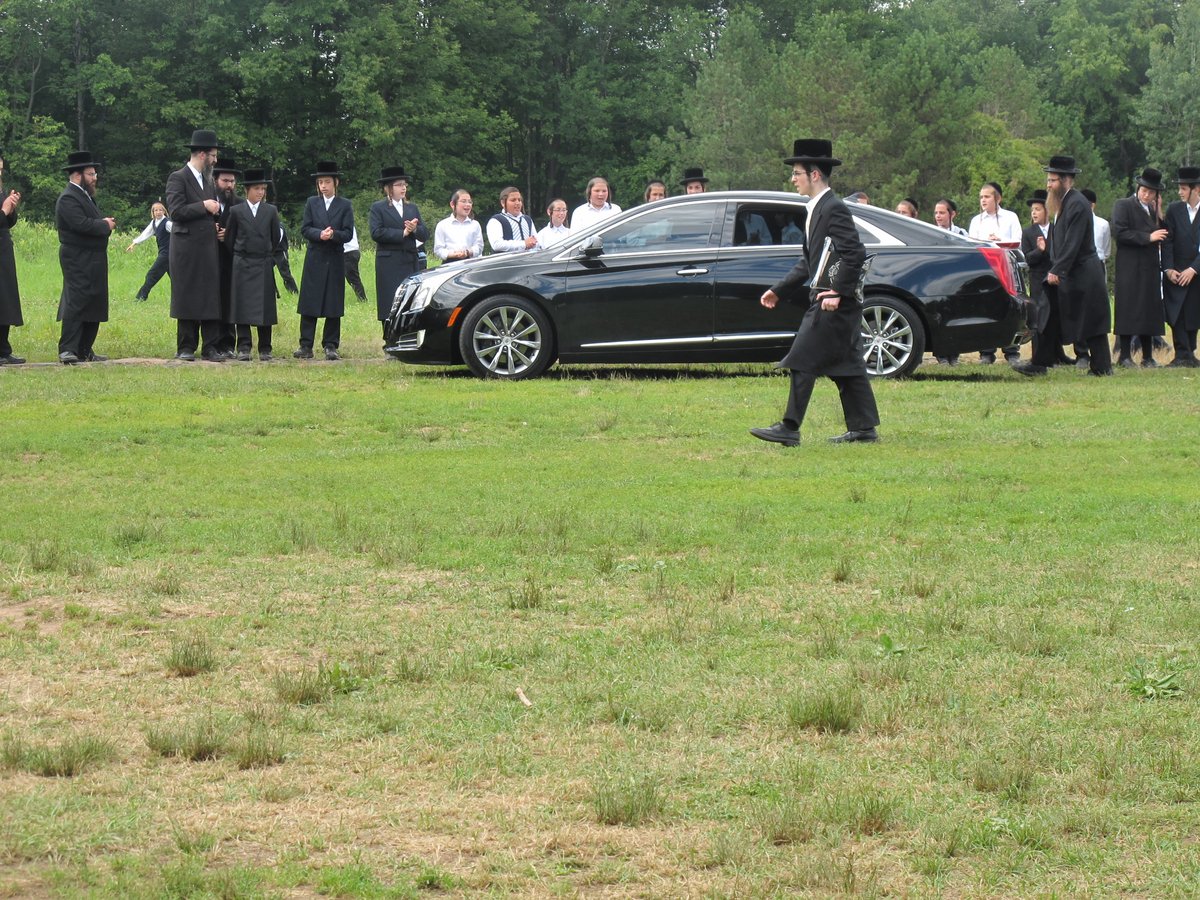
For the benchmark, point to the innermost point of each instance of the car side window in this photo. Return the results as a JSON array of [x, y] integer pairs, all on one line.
[[764, 226], [674, 228]]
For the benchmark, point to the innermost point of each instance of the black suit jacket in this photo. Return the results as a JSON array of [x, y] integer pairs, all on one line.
[[395, 252], [195, 272], [1181, 250], [323, 281], [82, 255], [1083, 289]]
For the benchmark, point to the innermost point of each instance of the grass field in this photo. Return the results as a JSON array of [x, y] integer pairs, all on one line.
[[365, 630]]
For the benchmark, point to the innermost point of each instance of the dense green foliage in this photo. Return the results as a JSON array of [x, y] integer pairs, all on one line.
[[923, 98]]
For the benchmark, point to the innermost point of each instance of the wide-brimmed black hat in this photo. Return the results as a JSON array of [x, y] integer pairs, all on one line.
[[204, 139], [1039, 196], [326, 168], [226, 165], [812, 150], [392, 174], [1062, 165], [1151, 178], [255, 176], [1188, 175], [80, 159], [694, 174]]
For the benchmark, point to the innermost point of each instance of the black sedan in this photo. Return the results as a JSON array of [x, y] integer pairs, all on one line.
[[679, 280]]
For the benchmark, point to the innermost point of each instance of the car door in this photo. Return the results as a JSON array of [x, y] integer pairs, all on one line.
[[647, 290], [761, 242]]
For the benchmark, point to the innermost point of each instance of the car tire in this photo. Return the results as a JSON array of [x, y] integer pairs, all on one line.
[[506, 337], [893, 337]]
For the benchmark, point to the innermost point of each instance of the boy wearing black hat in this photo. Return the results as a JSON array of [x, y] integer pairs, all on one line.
[[693, 181], [396, 227], [255, 239], [1138, 230], [829, 341], [327, 225], [83, 256], [1181, 262]]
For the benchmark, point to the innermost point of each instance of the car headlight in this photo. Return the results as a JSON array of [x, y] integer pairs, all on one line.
[[427, 285]]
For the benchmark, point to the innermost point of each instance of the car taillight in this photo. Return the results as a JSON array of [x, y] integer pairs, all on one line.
[[997, 258]]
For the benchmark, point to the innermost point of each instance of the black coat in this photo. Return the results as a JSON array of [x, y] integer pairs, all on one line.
[[10, 295], [1181, 250], [255, 244], [395, 252], [82, 255], [1039, 266], [323, 280], [1139, 297], [195, 270], [829, 342], [1083, 288], [225, 258]]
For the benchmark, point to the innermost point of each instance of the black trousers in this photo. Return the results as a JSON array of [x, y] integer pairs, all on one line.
[[5, 346], [78, 337], [331, 335], [352, 277], [1184, 339], [159, 268], [858, 400], [188, 333], [243, 338]]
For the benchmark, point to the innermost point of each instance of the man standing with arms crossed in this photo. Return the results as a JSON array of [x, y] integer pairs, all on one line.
[[192, 204], [829, 341], [83, 256]]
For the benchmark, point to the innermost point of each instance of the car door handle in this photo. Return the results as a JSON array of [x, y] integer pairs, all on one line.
[[692, 272]]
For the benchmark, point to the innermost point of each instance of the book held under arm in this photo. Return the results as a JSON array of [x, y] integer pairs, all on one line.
[[829, 269]]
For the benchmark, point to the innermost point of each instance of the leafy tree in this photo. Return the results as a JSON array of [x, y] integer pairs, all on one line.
[[1164, 110]]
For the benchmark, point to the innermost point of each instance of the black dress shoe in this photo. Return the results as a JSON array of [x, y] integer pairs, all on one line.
[[94, 357], [226, 354], [303, 353], [1030, 369], [140, 299], [244, 356], [264, 357], [866, 436], [1065, 360], [1082, 362], [213, 356], [1149, 364], [778, 434], [11, 360], [1100, 373], [331, 354], [1183, 362], [987, 359], [186, 355], [1126, 364], [67, 358]]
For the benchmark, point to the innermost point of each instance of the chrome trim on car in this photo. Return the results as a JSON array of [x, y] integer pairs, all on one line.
[[407, 342], [756, 336], [664, 342]]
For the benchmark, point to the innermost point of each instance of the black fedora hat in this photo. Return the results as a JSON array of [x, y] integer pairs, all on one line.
[[1062, 165], [326, 168], [1039, 196], [812, 150], [1151, 178], [392, 174], [228, 165], [255, 176], [80, 159], [1188, 175], [693, 174], [204, 139]]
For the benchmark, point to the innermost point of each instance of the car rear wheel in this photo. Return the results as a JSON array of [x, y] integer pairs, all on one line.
[[893, 337], [506, 337]]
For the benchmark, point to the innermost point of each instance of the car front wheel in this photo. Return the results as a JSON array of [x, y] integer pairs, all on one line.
[[506, 337], [893, 337]]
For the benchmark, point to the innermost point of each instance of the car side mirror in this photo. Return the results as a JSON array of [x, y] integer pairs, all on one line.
[[593, 246]]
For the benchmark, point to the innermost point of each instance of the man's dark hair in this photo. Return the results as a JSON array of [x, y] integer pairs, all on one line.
[[1089, 195], [950, 204], [995, 187]]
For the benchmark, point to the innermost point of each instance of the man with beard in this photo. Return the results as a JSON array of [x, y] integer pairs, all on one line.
[[226, 173], [1138, 230], [1181, 262], [193, 207], [396, 227], [327, 224], [83, 256], [829, 341], [1076, 277]]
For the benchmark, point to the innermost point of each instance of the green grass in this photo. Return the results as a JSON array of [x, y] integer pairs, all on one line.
[[961, 662]]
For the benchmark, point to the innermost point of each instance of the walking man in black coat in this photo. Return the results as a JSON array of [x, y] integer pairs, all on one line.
[[396, 227], [829, 341], [327, 224], [10, 295], [1181, 262], [83, 234], [1076, 273], [1138, 230], [192, 204]]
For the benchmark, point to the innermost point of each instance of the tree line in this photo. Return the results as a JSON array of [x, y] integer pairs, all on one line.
[[923, 98]]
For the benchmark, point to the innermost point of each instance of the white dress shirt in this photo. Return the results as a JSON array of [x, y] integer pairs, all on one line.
[[453, 235], [149, 230], [587, 215], [1004, 224], [1102, 235], [553, 234], [522, 227]]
